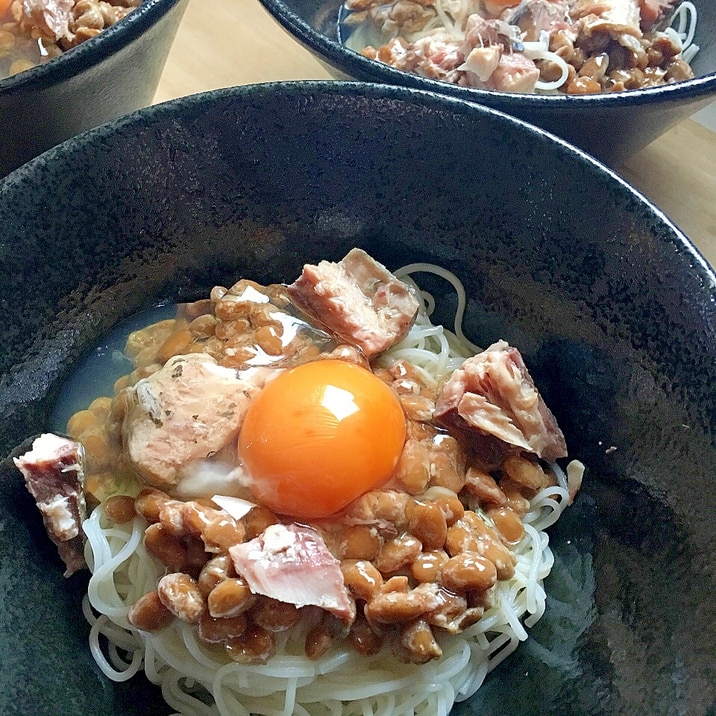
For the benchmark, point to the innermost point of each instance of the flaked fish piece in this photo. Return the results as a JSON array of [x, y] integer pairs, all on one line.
[[614, 17], [493, 394], [51, 17], [187, 411], [491, 59], [356, 299], [482, 61], [436, 55], [533, 17], [515, 72], [481, 33], [54, 476], [292, 564]]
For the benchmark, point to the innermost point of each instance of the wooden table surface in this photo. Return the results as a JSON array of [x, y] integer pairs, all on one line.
[[222, 43]]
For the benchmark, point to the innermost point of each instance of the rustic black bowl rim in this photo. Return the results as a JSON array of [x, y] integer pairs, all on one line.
[[353, 62], [91, 52], [368, 88]]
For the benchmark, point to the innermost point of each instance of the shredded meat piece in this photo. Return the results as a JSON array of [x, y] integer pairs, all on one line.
[[52, 17], [482, 61], [655, 12], [480, 33], [540, 16], [613, 16], [514, 73], [491, 62], [358, 300], [435, 56], [494, 394], [53, 476], [292, 564]]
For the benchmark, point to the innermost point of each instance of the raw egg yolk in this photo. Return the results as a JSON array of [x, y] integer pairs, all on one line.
[[320, 435]]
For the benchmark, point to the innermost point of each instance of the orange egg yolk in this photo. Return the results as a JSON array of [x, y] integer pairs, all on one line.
[[320, 435]]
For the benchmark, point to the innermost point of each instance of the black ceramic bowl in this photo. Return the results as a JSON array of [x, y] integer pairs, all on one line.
[[609, 126], [110, 75], [610, 304]]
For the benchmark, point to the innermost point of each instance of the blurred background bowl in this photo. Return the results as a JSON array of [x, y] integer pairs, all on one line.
[[101, 79], [610, 126], [610, 304]]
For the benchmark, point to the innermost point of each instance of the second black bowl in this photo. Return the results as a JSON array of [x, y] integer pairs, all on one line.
[[609, 303]]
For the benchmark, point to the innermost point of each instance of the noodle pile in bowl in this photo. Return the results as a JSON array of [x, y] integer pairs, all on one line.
[[199, 678]]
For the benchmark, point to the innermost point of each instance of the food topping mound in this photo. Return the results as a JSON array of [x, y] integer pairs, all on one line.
[[313, 461]]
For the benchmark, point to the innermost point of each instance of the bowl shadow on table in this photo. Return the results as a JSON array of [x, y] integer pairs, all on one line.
[[609, 303], [611, 127]]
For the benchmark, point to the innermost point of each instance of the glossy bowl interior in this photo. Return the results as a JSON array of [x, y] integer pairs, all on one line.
[[112, 74], [610, 304], [609, 126]]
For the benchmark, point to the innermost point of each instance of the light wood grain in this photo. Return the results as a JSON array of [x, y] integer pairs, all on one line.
[[678, 173], [222, 43]]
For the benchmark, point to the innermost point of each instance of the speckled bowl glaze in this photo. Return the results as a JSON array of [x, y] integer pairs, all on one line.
[[609, 126], [110, 75], [610, 304]]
